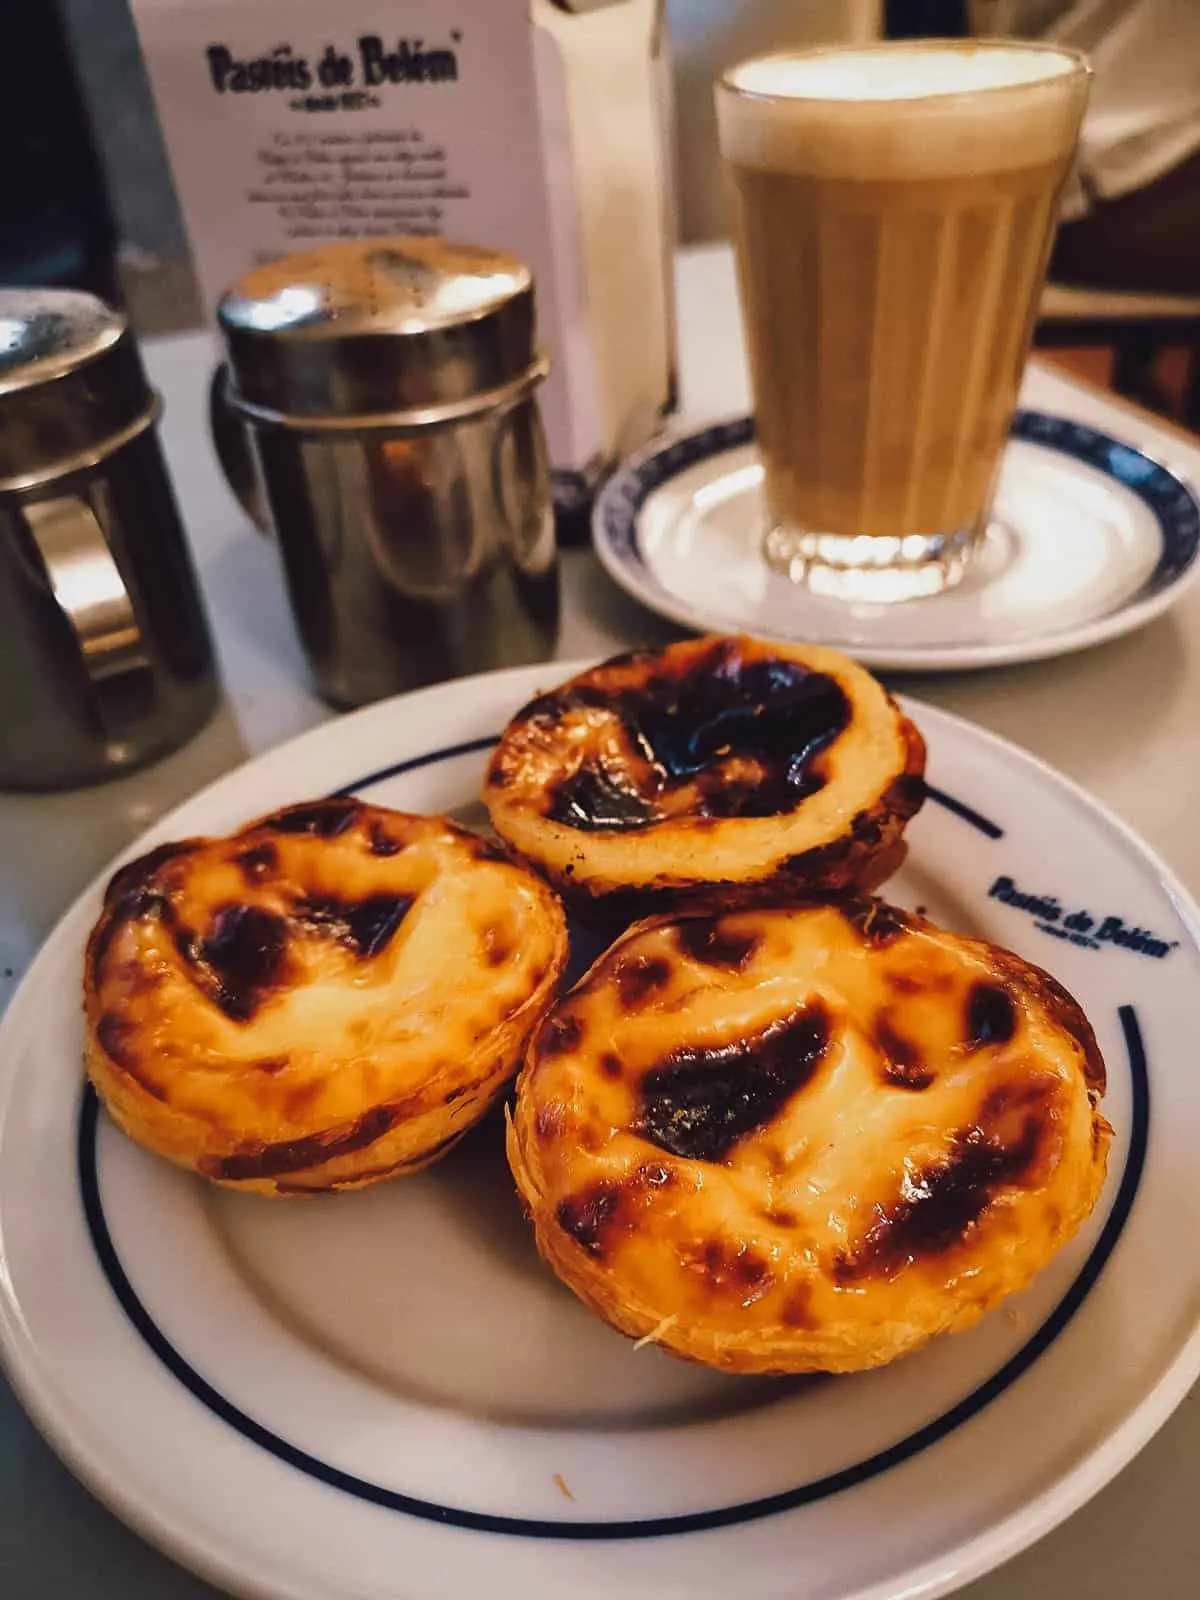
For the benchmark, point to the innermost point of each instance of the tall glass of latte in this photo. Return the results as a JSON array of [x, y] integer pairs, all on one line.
[[894, 210]]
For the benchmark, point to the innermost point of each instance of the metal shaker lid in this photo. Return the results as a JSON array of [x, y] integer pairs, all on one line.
[[71, 383], [409, 329]]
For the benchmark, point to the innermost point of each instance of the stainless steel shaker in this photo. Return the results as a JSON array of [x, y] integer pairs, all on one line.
[[388, 387], [105, 660]]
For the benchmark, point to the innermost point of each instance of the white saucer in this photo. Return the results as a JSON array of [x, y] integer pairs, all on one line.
[[387, 1396], [1090, 538]]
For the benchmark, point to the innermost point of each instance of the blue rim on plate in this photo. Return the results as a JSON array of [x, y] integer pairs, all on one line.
[[91, 1196], [1171, 503]]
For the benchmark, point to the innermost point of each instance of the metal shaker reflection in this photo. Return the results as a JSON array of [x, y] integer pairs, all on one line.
[[399, 454]]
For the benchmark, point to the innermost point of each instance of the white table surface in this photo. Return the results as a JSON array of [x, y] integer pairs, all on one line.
[[1124, 720]]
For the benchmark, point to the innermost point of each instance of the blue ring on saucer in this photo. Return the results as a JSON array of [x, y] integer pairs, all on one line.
[[1172, 504]]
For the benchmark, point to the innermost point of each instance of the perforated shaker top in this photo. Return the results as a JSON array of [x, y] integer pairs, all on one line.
[[378, 326], [71, 382]]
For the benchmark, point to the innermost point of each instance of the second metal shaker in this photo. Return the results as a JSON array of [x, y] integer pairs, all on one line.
[[105, 660], [388, 389]]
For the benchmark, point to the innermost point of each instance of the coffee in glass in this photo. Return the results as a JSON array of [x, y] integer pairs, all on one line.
[[894, 210]]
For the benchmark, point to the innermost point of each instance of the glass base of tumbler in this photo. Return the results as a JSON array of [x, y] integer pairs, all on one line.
[[869, 567]]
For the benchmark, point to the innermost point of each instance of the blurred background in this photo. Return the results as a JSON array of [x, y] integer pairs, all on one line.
[[117, 202], [91, 201]]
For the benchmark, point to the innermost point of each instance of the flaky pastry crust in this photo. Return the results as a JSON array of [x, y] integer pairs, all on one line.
[[330, 996], [806, 1139]]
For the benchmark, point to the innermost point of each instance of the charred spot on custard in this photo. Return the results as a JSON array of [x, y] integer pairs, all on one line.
[[588, 1216], [610, 1064], [325, 819], [259, 1161], [597, 799], [683, 724], [114, 1033], [733, 1270], [775, 711], [136, 875], [903, 1064], [878, 923], [136, 981], [242, 960], [797, 1308], [905, 983], [637, 977], [937, 1208], [991, 1015], [257, 862], [698, 1102], [381, 842], [593, 1217], [364, 926], [722, 798], [546, 709], [422, 1158], [486, 849], [652, 1175], [497, 945], [1034, 1105], [100, 942], [866, 829], [625, 659], [716, 944], [131, 894], [906, 794], [561, 1036]]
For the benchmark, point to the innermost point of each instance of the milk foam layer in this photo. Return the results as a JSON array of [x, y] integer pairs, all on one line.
[[902, 111], [905, 74]]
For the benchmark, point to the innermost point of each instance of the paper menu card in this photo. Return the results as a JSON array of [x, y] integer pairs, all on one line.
[[513, 123]]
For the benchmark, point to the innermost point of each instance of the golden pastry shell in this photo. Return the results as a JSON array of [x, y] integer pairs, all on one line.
[[329, 996], [841, 830], [806, 1138]]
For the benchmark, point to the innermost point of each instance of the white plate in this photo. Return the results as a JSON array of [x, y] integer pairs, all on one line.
[[386, 1394], [1089, 539]]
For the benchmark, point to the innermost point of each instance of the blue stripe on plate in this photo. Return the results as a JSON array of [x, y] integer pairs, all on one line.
[[431, 758], [991, 830]]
